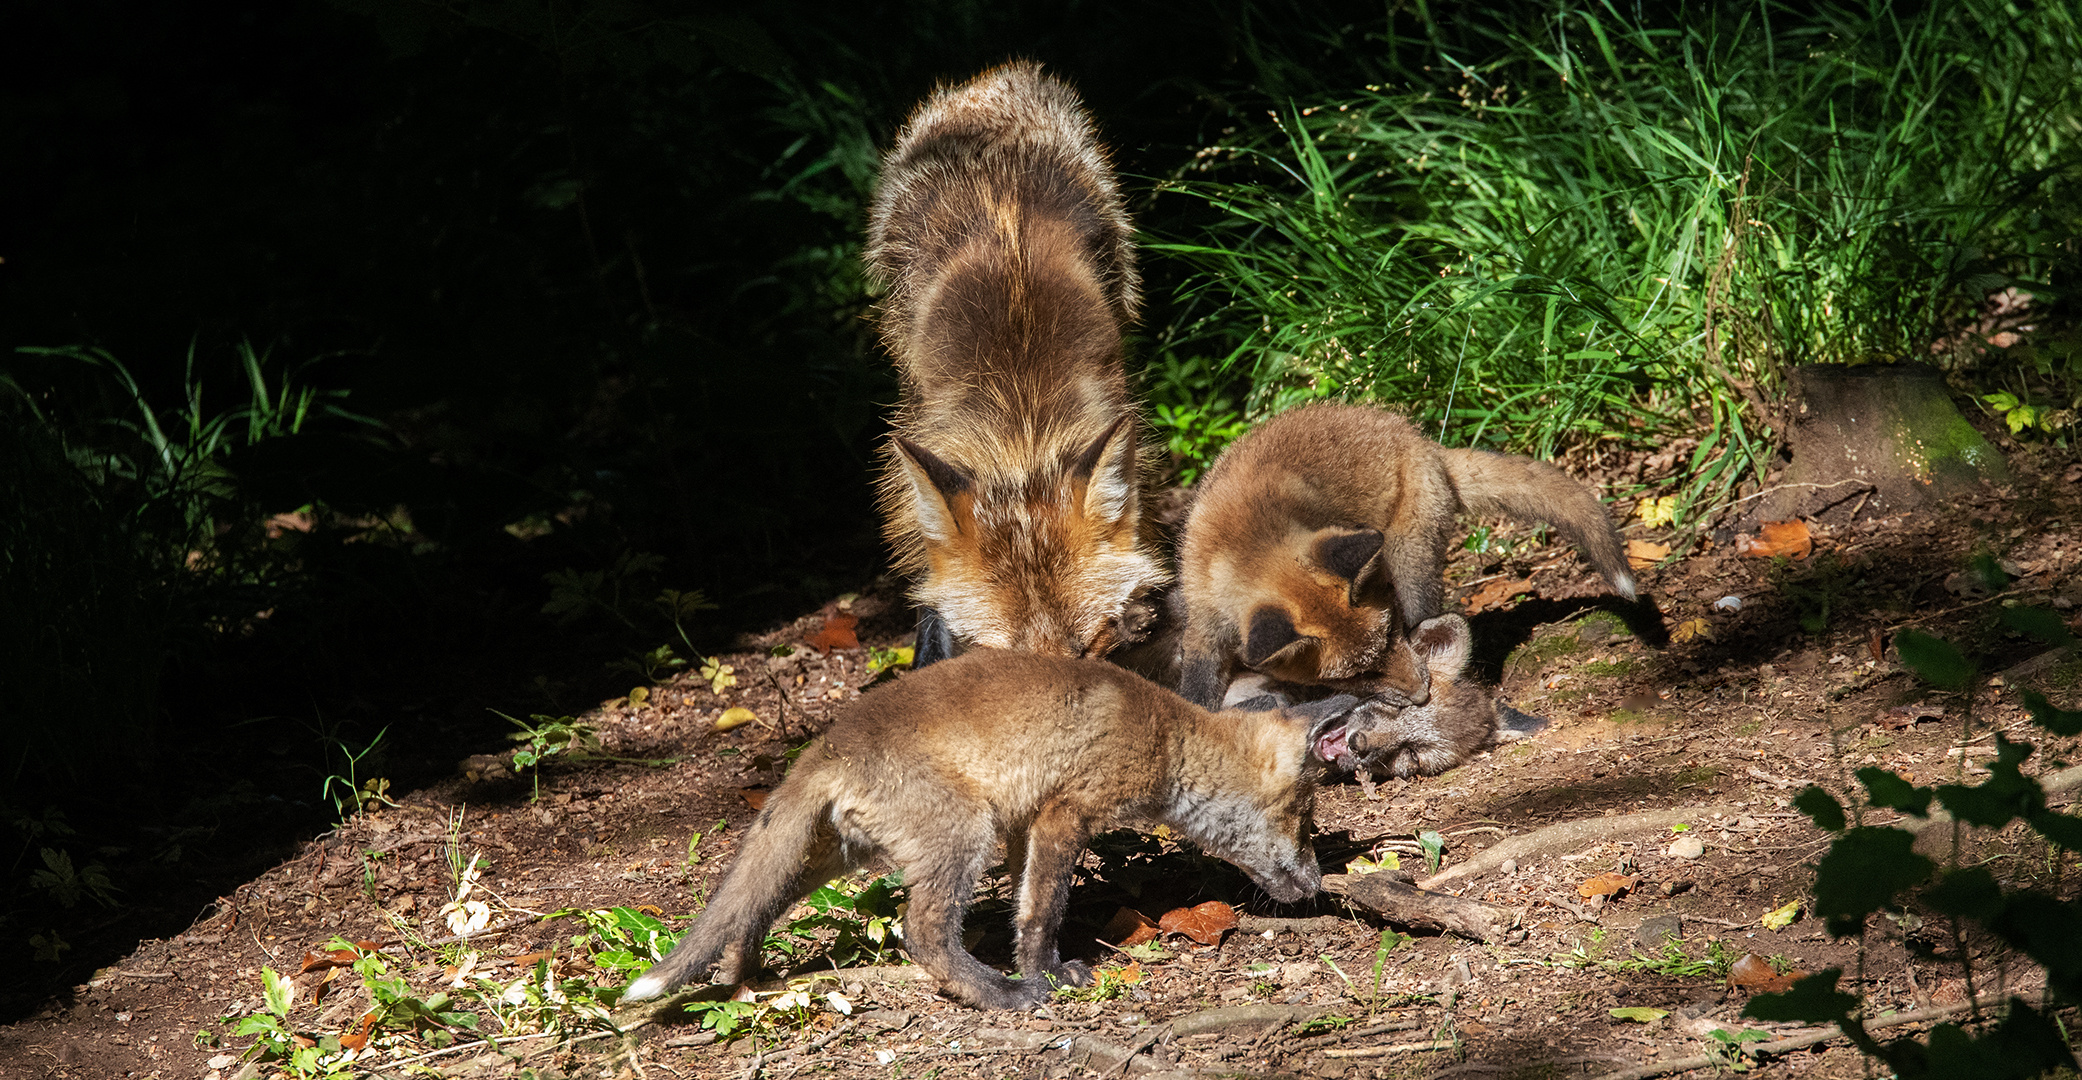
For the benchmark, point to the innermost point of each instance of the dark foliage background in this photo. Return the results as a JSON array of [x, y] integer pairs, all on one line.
[[564, 284]]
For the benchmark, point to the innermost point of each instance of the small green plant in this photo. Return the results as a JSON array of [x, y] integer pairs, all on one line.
[[849, 924], [68, 886], [1390, 941], [349, 792], [1674, 962], [48, 947], [547, 737], [1108, 984], [1434, 846], [1727, 1047], [1869, 868]]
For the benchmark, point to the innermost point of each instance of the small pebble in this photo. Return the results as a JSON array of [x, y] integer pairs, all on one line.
[[1687, 847]]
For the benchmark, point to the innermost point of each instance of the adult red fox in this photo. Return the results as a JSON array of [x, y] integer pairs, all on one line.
[[1011, 492], [931, 771], [1316, 549]]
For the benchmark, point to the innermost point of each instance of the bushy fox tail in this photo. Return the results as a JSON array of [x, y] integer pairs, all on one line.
[[1529, 490], [789, 851], [976, 164]]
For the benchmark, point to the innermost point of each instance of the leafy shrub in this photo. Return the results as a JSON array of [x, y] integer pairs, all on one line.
[[1870, 867]]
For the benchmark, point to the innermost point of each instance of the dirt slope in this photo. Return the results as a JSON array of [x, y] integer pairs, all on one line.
[[1740, 708]]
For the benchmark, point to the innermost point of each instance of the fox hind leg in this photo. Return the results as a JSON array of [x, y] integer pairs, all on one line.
[[942, 882]]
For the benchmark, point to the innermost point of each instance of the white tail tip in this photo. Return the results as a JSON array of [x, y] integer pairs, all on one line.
[[644, 988]]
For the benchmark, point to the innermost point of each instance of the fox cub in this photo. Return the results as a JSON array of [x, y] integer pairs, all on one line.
[[1457, 720], [1316, 550], [1011, 492], [931, 771]]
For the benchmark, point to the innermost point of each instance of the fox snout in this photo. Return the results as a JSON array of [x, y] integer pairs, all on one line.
[[1291, 883]]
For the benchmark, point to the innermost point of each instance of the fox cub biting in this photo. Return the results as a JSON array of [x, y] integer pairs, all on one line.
[[1457, 720], [931, 771], [1011, 492], [1316, 550]]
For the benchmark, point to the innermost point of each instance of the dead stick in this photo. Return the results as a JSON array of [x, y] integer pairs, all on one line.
[[1384, 1051], [1401, 902], [1565, 836]]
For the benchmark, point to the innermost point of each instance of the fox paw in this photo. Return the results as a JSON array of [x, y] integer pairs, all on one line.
[[1072, 973]]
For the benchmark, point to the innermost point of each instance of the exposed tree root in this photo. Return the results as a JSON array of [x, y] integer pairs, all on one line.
[[1567, 836], [1407, 905]]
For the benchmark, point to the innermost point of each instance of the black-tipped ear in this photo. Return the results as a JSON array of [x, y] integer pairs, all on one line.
[[1345, 552], [935, 486], [1445, 644], [1352, 554], [947, 479], [1270, 631], [1107, 470]]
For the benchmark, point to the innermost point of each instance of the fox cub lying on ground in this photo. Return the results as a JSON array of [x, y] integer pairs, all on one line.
[[931, 771], [1011, 492]]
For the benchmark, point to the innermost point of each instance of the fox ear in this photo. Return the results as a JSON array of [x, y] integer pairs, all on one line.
[[940, 492], [1445, 644], [1106, 468], [1271, 630], [1352, 554]]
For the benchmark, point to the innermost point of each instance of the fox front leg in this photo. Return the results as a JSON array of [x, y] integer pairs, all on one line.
[[935, 642]]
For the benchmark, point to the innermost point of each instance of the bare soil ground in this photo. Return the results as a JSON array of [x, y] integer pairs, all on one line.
[[1726, 710]]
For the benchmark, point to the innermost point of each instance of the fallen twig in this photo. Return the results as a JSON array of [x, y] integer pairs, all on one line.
[[1384, 1051], [1210, 1021], [1405, 904], [1564, 836]]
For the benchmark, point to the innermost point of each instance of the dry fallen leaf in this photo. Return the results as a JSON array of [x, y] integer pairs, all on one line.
[[1644, 554], [1129, 927], [736, 716], [754, 797], [836, 634], [336, 958], [1690, 629], [360, 1038], [1607, 885], [1788, 538], [1657, 513], [1756, 975], [1496, 593], [1205, 923]]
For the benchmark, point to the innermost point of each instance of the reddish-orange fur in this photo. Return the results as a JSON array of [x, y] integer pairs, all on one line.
[[1011, 492]]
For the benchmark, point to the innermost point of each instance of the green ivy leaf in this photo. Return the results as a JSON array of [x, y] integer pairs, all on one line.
[[1888, 789], [1814, 1000], [1863, 871], [2026, 1044], [2044, 624], [1971, 892], [1933, 659], [2043, 713], [1822, 807], [2006, 795]]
